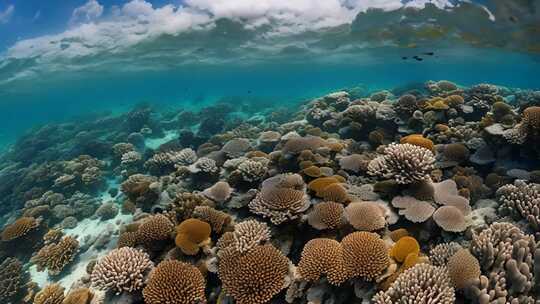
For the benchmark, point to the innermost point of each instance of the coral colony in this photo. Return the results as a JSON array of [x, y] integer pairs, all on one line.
[[425, 195]]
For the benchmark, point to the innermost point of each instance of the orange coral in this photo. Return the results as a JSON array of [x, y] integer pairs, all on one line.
[[395, 235], [318, 185], [418, 140], [403, 247], [335, 193], [190, 234]]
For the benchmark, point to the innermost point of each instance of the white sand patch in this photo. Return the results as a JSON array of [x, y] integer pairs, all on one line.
[[154, 143], [105, 196], [87, 230]]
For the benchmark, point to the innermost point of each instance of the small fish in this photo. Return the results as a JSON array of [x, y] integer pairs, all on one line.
[[404, 57], [429, 53], [249, 91], [418, 58], [513, 19]]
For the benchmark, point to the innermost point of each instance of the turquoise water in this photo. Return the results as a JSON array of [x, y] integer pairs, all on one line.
[[66, 95]]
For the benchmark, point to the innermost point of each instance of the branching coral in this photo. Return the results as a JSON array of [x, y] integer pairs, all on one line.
[[175, 282], [122, 269], [255, 276], [183, 204], [154, 229], [422, 283], [19, 228], [522, 200], [245, 236], [78, 296], [507, 257], [56, 256], [322, 257], [440, 254], [12, 280], [405, 163], [51, 294], [219, 220]]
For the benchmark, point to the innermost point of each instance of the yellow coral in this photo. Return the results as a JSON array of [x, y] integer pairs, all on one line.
[[403, 247], [418, 140]]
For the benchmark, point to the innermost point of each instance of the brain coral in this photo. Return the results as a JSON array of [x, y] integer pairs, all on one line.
[[365, 255], [463, 268], [175, 282], [54, 257], [365, 216], [51, 294], [255, 276], [422, 283], [122, 269], [190, 234], [405, 163], [19, 228], [326, 215], [322, 257]]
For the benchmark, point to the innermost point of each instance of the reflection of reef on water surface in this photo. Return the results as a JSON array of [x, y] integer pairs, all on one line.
[[428, 192]]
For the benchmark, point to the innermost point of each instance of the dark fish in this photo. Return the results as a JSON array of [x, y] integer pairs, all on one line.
[[429, 53], [404, 57], [249, 92], [418, 58]]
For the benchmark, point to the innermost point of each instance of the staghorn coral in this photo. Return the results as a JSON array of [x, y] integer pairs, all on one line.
[[122, 269], [175, 282], [463, 268], [50, 294], [56, 256], [12, 280], [322, 257], [190, 234], [326, 215], [365, 216], [255, 276], [521, 200], [405, 163], [422, 283], [365, 255], [279, 201]]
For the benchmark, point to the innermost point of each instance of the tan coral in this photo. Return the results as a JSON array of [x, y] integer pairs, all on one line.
[[19, 228], [365, 216], [219, 220], [322, 257], [175, 282], [326, 215], [255, 276], [153, 229], [365, 255], [56, 256], [51, 294], [463, 268], [190, 234]]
